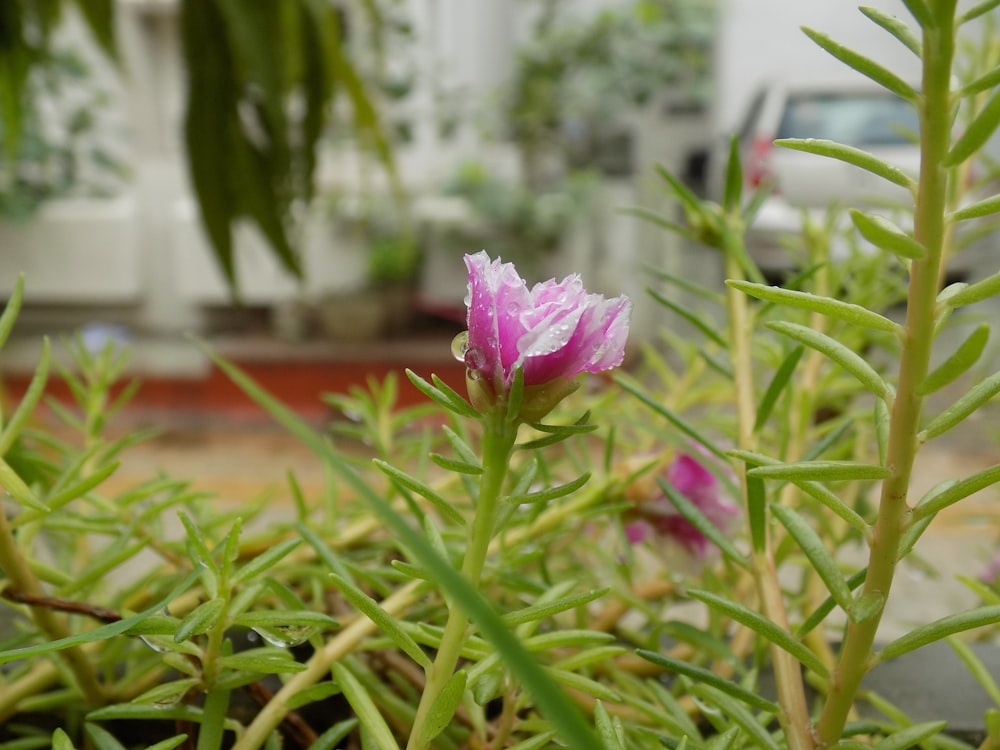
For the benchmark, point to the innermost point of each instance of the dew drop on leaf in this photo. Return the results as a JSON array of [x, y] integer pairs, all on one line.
[[285, 636]]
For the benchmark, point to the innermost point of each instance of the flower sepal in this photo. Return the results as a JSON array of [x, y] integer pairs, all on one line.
[[520, 404], [539, 400]]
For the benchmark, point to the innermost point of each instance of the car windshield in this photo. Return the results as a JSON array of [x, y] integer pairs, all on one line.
[[865, 119]]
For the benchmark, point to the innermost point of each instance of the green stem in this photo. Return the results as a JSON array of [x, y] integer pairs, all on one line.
[[918, 337], [794, 716], [498, 444]]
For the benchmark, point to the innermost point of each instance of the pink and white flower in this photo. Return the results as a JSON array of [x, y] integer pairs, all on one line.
[[553, 330]]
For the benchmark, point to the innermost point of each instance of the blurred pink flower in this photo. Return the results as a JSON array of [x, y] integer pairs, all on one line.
[[554, 330], [658, 518], [991, 573]]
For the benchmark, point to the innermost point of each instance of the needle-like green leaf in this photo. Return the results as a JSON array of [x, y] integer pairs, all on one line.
[[851, 155], [964, 357], [833, 308], [941, 628], [978, 395], [884, 234], [896, 27], [850, 360], [864, 65]]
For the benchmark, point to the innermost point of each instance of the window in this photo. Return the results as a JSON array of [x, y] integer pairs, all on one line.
[[876, 119]]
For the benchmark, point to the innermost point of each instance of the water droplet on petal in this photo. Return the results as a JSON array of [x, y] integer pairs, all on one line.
[[473, 374], [474, 359], [460, 345]]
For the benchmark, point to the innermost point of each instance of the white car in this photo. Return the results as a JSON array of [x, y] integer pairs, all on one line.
[[860, 115]]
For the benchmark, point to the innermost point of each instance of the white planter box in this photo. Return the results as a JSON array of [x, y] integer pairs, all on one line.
[[200, 280], [75, 250], [331, 263]]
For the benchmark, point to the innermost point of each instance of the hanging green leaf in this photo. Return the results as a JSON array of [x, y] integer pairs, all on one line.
[[964, 357], [850, 360], [261, 80], [208, 122], [864, 65], [100, 18], [850, 155], [884, 234], [828, 306], [978, 395]]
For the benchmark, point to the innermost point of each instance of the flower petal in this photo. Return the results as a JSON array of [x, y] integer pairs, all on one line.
[[554, 330]]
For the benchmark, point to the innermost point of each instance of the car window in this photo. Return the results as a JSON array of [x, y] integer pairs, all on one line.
[[876, 119]]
